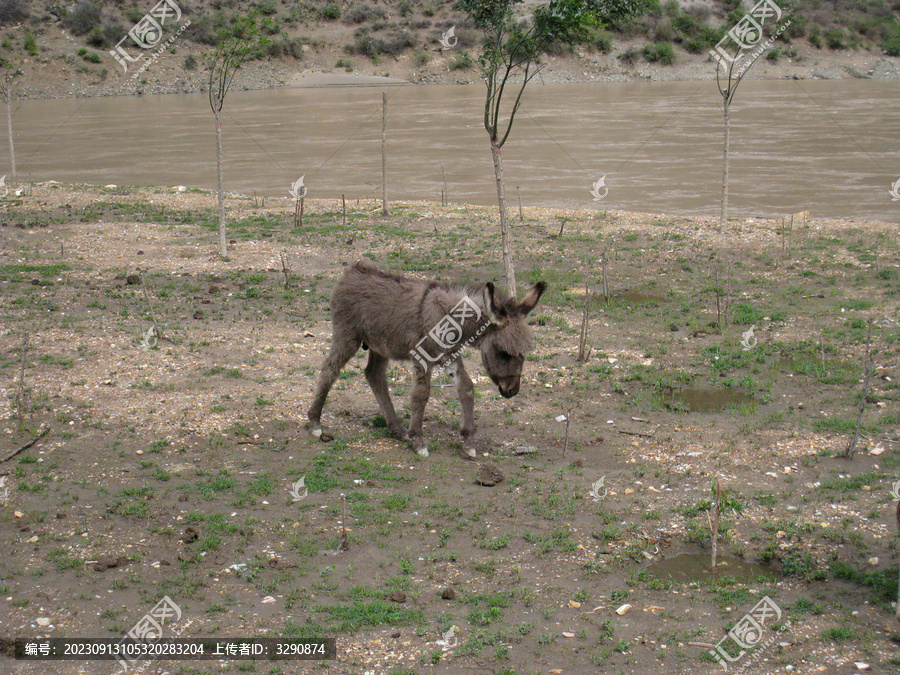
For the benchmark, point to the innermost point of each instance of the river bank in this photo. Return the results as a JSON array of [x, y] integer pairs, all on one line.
[[58, 71]]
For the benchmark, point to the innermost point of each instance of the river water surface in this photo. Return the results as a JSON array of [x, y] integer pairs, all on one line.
[[830, 147]]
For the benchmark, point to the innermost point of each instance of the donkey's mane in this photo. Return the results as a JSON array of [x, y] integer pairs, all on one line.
[[472, 290]]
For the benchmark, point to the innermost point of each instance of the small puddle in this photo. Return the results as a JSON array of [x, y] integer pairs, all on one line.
[[705, 400], [695, 567], [637, 297]]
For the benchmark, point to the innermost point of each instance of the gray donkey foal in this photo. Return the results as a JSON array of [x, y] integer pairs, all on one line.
[[396, 317]]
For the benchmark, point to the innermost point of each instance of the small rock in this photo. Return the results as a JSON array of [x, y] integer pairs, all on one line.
[[190, 534], [395, 634], [199, 314], [42, 621], [140, 253], [629, 491], [488, 475], [448, 594], [133, 280], [268, 600], [573, 604], [568, 634], [277, 564], [873, 561], [397, 596], [106, 561], [623, 610], [861, 665]]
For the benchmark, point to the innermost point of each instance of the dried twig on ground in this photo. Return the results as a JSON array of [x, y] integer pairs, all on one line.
[[26, 446]]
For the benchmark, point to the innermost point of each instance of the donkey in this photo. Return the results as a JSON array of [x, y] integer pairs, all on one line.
[[399, 318]]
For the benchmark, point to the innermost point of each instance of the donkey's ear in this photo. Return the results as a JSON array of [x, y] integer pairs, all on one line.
[[530, 300], [496, 314]]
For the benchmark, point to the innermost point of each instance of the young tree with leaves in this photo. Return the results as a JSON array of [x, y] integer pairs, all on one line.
[[234, 45], [511, 51]]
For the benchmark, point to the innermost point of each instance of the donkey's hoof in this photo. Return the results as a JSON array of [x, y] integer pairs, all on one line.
[[422, 452], [468, 453], [321, 435]]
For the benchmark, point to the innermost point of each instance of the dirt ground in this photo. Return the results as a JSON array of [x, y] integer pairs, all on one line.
[[173, 469]]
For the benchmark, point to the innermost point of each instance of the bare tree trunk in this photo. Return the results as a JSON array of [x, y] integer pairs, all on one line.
[[9, 113], [221, 185], [384, 203], [504, 221], [723, 219]]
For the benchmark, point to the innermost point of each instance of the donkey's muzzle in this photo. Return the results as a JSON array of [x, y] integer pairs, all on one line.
[[510, 391]]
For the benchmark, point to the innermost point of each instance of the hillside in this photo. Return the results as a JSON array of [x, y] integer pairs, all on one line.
[[65, 50]]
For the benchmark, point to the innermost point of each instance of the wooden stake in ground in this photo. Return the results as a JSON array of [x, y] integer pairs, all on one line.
[[605, 284], [851, 447], [718, 308], [384, 203], [566, 442], [20, 390], [344, 543], [343, 218], [150, 305], [715, 524], [286, 272], [519, 195], [582, 354], [445, 196]]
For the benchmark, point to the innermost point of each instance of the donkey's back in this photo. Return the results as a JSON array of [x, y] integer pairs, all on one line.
[[378, 309]]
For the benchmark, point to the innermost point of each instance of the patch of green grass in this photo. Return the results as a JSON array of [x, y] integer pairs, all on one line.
[[883, 583], [395, 502], [839, 634], [210, 487], [347, 619], [64, 560]]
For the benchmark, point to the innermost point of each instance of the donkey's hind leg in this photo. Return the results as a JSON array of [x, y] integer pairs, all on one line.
[[376, 376], [342, 350]]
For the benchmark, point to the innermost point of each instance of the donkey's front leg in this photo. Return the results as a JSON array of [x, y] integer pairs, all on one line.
[[465, 391], [419, 398]]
